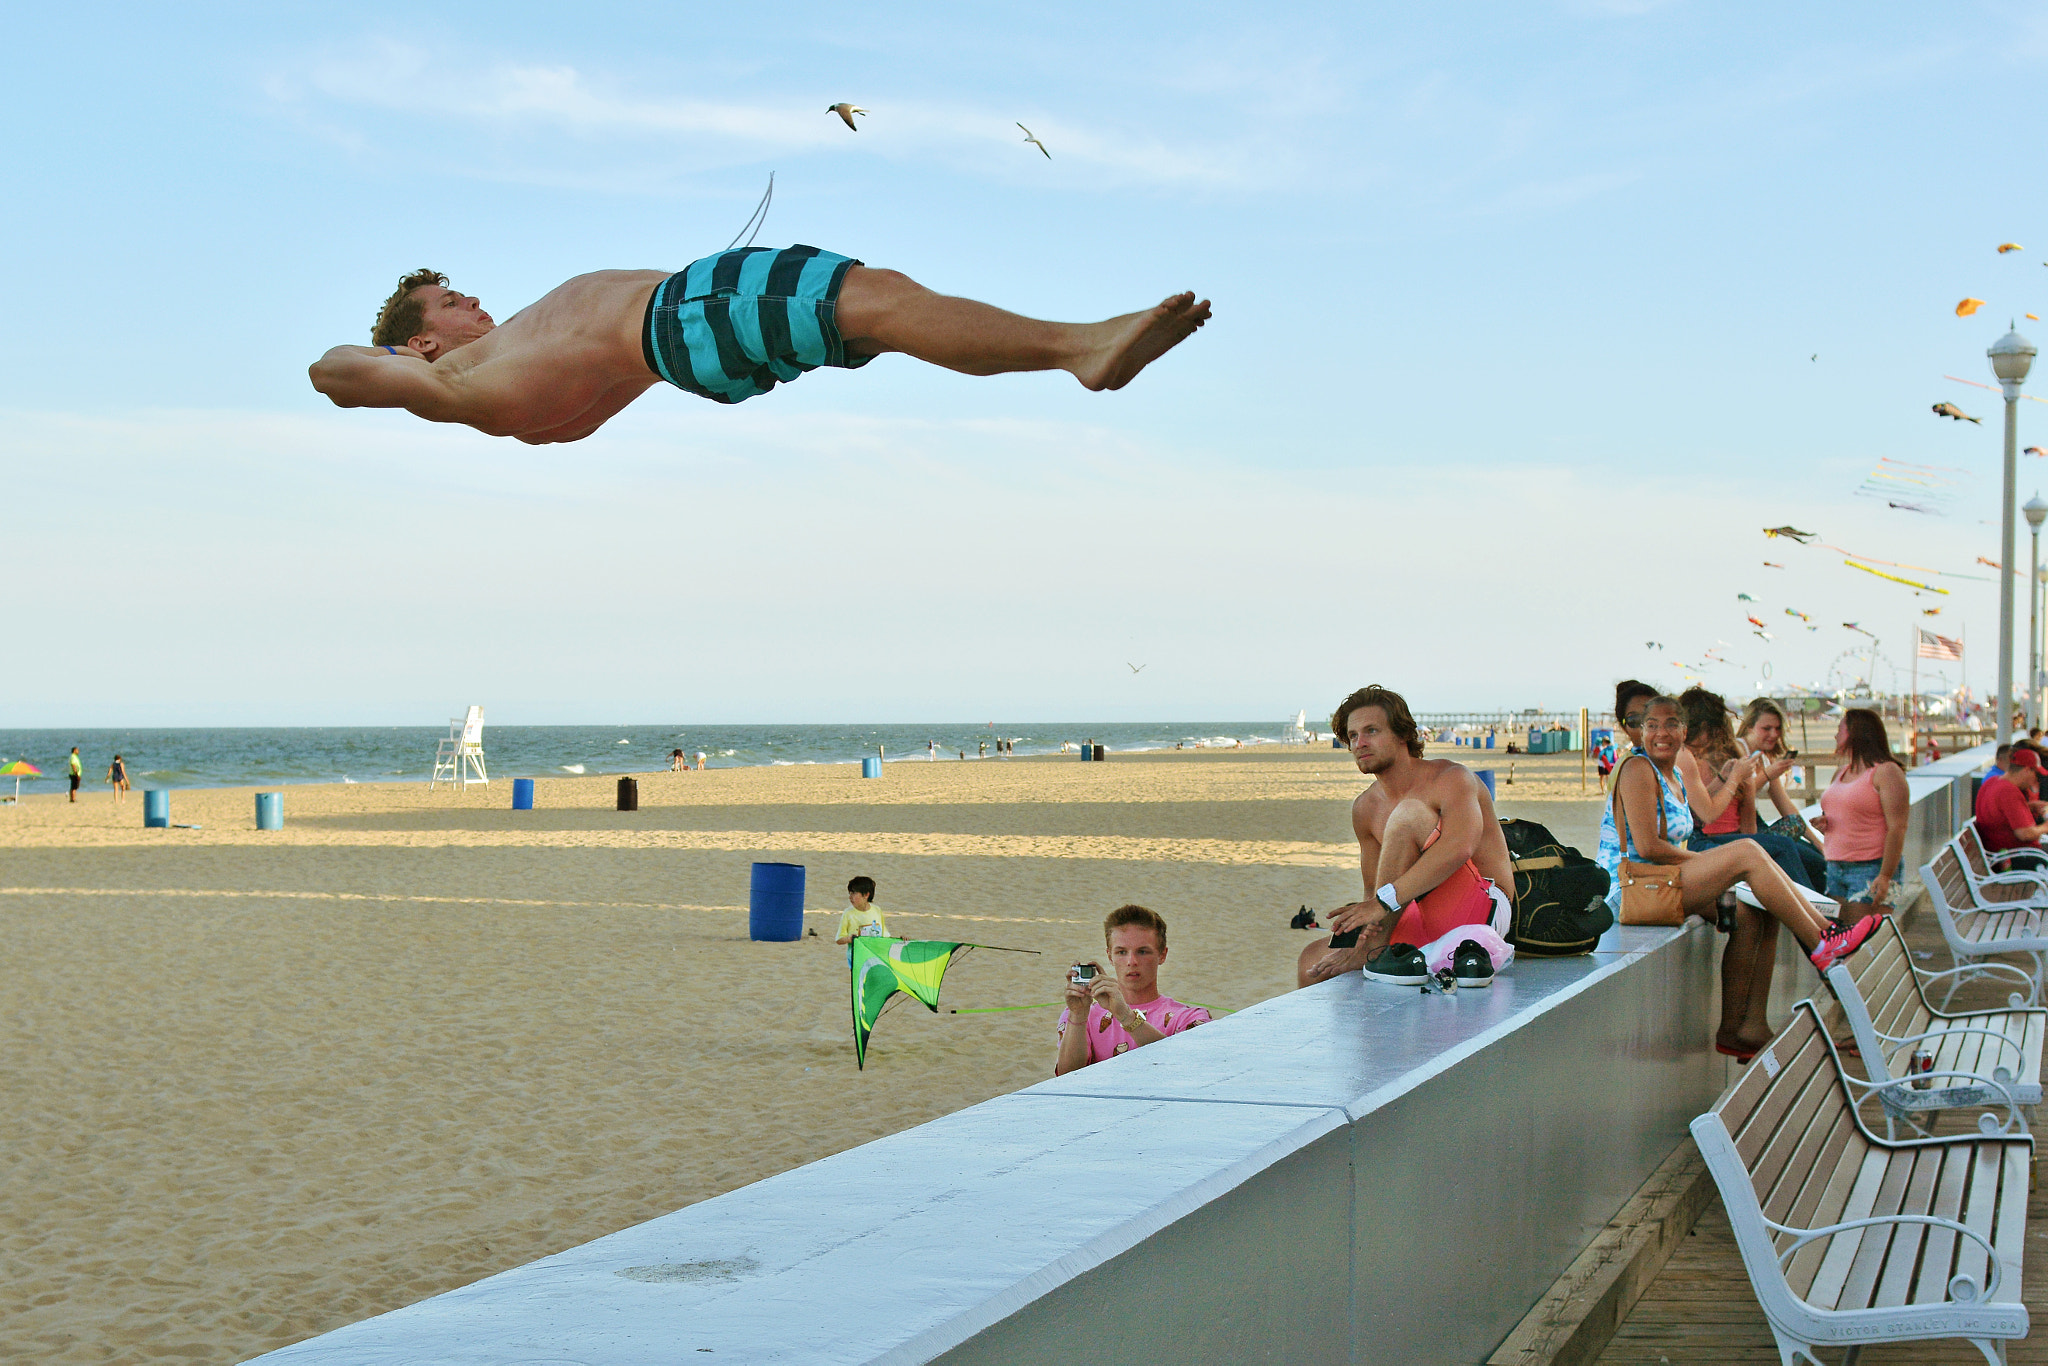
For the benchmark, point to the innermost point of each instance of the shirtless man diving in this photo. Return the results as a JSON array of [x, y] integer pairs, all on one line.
[[1428, 843], [728, 327]]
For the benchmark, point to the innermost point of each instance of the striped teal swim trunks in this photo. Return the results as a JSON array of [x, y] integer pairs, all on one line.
[[737, 324]]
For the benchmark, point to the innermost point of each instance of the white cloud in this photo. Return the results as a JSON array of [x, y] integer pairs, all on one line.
[[594, 116]]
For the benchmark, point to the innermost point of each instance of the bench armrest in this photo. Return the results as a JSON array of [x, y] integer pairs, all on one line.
[[1987, 1124], [1961, 1289], [2010, 854], [1981, 967]]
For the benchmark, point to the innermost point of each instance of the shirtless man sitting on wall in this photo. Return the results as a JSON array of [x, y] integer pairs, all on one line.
[[726, 328], [1428, 843]]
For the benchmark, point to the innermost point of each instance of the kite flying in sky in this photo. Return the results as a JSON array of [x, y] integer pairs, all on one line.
[[1769, 565], [1950, 410], [1968, 306], [2004, 247], [1791, 533]]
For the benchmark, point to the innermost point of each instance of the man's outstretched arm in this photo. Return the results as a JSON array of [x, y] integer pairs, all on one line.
[[371, 377]]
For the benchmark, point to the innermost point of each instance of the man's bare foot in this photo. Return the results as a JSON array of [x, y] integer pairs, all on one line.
[[1135, 340]]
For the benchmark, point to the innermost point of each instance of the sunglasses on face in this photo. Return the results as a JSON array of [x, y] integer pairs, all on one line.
[[1634, 718]]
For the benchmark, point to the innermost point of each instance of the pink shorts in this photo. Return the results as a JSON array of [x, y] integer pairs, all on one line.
[[1463, 898]]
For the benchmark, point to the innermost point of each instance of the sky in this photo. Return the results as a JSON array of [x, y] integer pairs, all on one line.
[[1528, 319]]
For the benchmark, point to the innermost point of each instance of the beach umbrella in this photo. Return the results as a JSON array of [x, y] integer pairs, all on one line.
[[19, 769]]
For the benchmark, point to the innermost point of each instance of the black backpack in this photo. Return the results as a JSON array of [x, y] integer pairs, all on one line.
[[1560, 894]]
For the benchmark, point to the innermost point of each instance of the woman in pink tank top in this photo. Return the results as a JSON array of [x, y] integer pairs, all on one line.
[[1863, 811]]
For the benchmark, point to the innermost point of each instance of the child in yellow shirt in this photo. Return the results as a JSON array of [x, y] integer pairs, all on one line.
[[861, 916]]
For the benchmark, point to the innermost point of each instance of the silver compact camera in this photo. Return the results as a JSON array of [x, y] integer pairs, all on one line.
[[1081, 974]]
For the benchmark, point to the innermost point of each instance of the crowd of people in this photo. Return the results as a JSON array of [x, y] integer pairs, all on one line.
[[1439, 885]]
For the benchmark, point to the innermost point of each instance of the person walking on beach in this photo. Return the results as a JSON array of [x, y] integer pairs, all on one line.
[[117, 774], [1429, 846], [77, 772], [727, 328]]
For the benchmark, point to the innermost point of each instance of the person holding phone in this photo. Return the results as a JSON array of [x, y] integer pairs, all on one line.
[[1120, 1005]]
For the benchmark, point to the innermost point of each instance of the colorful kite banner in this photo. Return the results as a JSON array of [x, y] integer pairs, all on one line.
[[1924, 587]]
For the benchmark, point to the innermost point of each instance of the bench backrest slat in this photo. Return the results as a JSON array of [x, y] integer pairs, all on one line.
[[1972, 846], [1948, 875], [1823, 1194]]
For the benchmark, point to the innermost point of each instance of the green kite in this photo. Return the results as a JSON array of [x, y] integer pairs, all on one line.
[[884, 967]]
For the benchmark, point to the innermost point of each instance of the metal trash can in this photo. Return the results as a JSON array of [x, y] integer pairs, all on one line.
[[871, 767], [1099, 751], [156, 808], [270, 811], [775, 903], [629, 794], [522, 794]]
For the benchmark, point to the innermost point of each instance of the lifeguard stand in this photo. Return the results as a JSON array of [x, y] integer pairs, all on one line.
[[1296, 730], [459, 759]]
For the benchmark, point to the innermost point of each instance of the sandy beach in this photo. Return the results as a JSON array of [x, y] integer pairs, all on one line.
[[262, 1084]]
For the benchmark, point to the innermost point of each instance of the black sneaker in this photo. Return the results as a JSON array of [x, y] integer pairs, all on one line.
[[1400, 964], [1472, 965]]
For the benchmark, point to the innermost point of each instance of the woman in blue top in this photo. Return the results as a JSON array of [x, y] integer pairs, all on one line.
[[1655, 820]]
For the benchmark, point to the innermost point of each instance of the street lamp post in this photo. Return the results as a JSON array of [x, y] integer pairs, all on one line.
[[2036, 512], [2011, 357]]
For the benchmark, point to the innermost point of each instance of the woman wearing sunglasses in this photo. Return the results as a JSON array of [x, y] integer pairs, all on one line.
[[1654, 821]]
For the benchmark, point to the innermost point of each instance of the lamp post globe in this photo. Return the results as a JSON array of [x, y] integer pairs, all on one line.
[[2011, 357]]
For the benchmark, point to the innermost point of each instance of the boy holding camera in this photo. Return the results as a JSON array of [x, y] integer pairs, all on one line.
[[1120, 1007]]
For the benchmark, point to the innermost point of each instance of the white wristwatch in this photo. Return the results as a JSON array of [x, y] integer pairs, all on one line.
[[1388, 899]]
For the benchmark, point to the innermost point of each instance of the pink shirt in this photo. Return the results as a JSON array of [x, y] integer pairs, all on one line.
[[1107, 1038], [1855, 819]]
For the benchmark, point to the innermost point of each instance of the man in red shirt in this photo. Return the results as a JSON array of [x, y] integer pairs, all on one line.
[[2005, 814]]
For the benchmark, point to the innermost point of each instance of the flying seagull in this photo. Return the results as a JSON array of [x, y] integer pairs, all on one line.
[[1136, 668], [1949, 410], [1035, 142], [845, 110], [1790, 533]]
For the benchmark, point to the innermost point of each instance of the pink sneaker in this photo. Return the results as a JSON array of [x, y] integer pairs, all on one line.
[[1839, 942]]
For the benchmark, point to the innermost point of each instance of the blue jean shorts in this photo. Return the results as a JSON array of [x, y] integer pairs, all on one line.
[[1851, 881]]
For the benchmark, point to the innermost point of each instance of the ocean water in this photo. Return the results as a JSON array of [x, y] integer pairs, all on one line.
[[222, 757]]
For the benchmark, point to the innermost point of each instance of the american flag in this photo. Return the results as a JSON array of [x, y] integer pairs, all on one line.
[[1933, 646]]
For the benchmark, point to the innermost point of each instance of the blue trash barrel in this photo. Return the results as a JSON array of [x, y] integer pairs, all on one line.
[[775, 903], [1087, 753], [270, 811], [1485, 775], [156, 808], [522, 794], [1489, 742], [871, 767]]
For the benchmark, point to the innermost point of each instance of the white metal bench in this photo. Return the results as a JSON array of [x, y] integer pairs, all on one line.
[[1976, 929], [1849, 1238], [2024, 879], [1883, 996]]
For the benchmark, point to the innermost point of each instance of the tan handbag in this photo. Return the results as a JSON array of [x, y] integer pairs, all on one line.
[[1651, 893]]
